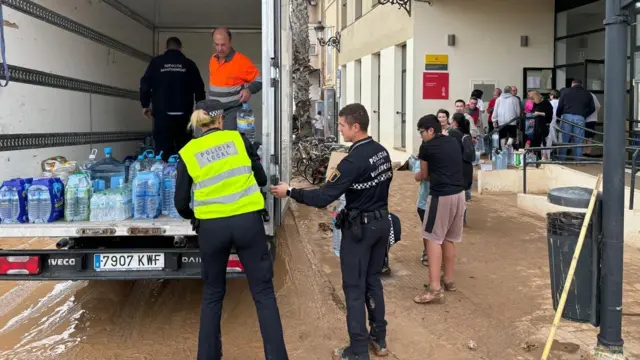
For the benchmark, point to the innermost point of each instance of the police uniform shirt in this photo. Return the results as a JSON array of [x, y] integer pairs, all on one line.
[[364, 176]]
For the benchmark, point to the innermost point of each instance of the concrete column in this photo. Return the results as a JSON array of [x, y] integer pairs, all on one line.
[[390, 80], [353, 82], [369, 91], [412, 141]]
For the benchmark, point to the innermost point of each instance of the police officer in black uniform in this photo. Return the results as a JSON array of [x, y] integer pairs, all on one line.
[[169, 88], [364, 176]]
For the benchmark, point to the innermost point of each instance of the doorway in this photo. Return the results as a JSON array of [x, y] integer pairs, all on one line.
[[487, 87]]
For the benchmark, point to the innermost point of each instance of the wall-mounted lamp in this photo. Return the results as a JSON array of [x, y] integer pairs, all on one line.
[[333, 41], [524, 41], [402, 4], [313, 2], [451, 39]]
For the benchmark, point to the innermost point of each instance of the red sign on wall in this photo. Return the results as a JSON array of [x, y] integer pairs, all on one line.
[[435, 85]]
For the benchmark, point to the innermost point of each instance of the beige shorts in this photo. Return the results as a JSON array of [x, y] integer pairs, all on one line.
[[444, 220]]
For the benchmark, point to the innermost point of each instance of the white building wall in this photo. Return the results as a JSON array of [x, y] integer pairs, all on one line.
[[353, 82], [369, 92], [412, 137], [37, 109], [390, 70]]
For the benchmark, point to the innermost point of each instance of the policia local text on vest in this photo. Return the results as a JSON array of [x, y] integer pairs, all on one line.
[[226, 175]]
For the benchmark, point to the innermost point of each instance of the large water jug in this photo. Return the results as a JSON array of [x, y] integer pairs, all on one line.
[[246, 122], [149, 159], [108, 169], [13, 201], [135, 168], [169, 177], [495, 141], [147, 199], [46, 200], [158, 165], [90, 161], [77, 197]]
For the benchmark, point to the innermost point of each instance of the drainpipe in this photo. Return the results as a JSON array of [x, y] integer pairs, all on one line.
[[610, 342]]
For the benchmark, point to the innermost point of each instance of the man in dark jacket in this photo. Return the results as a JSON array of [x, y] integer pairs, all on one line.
[[171, 84], [574, 106]]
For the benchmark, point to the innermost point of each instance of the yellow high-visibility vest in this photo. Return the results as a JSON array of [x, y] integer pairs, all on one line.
[[223, 182]]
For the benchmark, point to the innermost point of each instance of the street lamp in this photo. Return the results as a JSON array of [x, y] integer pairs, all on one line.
[[333, 41], [402, 4]]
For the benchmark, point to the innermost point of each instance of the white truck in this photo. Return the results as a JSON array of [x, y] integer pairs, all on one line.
[[74, 68]]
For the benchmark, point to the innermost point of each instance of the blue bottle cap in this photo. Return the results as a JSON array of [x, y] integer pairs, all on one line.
[[245, 105], [108, 150]]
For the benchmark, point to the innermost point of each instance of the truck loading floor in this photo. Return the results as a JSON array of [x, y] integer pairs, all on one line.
[[503, 303]]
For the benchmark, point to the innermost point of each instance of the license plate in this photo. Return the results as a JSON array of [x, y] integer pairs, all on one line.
[[125, 262]]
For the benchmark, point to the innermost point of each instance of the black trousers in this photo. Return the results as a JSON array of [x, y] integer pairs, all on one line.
[[170, 133], [361, 261], [246, 233]]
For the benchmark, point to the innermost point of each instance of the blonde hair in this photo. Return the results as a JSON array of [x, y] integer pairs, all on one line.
[[200, 118], [535, 94]]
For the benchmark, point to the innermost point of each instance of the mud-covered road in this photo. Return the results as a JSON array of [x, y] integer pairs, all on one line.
[[160, 319]]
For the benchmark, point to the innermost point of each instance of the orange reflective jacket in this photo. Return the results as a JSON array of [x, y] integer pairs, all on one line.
[[228, 76]]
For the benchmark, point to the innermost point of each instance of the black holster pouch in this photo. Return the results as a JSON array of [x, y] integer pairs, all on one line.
[[354, 224]]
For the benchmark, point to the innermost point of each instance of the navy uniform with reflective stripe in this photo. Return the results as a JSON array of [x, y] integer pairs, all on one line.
[[364, 176], [243, 231]]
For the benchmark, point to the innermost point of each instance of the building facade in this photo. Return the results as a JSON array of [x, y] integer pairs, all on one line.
[[406, 62]]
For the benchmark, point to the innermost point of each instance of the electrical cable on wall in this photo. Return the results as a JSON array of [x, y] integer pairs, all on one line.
[[3, 52]]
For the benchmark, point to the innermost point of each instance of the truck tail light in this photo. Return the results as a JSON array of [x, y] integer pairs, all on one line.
[[19, 265], [234, 264]]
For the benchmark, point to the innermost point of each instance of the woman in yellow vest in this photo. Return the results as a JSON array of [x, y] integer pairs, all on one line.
[[225, 174]]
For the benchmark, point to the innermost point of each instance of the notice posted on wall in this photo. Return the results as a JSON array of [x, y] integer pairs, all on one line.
[[435, 85]]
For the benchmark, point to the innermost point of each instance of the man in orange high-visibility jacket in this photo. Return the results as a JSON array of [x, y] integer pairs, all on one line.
[[232, 77]]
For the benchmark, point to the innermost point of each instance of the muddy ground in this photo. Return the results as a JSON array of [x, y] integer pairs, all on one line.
[[503, 303]]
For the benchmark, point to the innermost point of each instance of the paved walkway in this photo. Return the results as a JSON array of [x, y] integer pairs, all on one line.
[[504, 299]]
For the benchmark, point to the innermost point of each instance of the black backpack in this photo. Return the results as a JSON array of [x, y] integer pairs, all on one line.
[[468, 150]]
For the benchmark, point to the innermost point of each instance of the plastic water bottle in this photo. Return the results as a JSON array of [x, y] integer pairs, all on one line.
[[108, 169], [246, 122], [337, 233], [147, 202], [149, 159], [13, 201], [77, 197], [170, 175], [495, 141], [135, 168], [90, 161], [158, 165], [45, 200]]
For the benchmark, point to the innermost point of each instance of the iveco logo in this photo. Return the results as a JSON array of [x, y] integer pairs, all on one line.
[[62, 262], [191, 259]]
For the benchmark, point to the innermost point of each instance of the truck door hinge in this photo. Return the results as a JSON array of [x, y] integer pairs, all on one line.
[[275, 72], [275, 160]]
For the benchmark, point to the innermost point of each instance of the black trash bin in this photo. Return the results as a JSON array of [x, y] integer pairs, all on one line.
[[563, 231]]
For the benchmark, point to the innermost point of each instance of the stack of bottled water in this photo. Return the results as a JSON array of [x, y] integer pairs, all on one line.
[[147, 198], [169, 177], [112, 205], [246, 122], [45, 200], [13, 201], [77, 195]]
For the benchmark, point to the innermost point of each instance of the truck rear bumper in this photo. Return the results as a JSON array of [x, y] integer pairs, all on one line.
[[80, 264]]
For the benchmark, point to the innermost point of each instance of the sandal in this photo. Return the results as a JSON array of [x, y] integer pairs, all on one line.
[[424, 259], [430, 296], [450, 286]]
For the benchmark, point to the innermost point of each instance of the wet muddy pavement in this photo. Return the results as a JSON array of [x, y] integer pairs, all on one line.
[[160, 319]]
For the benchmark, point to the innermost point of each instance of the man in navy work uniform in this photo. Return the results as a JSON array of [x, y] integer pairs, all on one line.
[[170, 87], [364, 176]]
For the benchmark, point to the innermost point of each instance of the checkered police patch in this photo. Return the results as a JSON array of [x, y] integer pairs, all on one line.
[[334, 176], [216, 113]]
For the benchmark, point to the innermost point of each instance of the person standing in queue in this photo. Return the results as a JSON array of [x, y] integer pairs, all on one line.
[[232, 77], [225, 174], [364, 176], [170, 84]]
